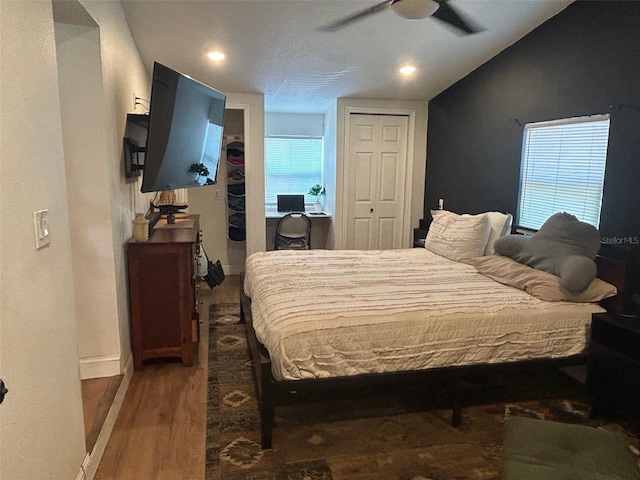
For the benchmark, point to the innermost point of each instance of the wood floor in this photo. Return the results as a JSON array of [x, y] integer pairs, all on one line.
[[160, 431]]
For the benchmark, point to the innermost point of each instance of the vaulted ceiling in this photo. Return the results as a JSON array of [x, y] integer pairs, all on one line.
[[275, 47]]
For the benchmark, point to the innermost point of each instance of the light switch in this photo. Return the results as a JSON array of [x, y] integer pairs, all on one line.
[[41, 228]]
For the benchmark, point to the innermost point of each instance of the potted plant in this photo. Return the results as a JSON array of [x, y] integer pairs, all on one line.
[[317, 190]]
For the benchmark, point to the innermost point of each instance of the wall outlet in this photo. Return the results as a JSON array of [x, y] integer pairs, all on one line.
[[218, 194], [440, 203]]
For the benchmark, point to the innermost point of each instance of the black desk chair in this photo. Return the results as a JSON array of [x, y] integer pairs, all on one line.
[[293, 232]]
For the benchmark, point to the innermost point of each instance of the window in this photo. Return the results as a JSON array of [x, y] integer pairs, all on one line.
[[563, 164], [292, 165]]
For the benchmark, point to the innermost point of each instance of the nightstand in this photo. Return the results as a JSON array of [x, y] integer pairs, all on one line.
[[419, 236], [613, 369]]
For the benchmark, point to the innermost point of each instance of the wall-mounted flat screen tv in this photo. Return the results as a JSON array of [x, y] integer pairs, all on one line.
[[184, 141]]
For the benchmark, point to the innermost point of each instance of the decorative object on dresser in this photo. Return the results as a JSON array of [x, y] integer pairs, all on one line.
[[163, 292], [613, 373], [141, 228], [168, 203]]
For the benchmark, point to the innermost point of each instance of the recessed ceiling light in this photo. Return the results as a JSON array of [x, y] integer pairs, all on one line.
[[407, 70], [216, 55]]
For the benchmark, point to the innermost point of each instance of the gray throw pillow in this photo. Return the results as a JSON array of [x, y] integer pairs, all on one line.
[[564, 246]]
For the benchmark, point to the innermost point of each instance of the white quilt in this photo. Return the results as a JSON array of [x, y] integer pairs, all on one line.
[[329, 313]]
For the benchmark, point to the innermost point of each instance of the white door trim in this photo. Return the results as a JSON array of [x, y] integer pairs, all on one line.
[[407, 237]]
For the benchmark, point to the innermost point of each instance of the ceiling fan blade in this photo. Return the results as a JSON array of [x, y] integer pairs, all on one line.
[[447, 14], [332, 27]]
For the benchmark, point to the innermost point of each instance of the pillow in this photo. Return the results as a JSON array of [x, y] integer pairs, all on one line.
[[564, 246], [457, 237], [500, 225], [540, 284]]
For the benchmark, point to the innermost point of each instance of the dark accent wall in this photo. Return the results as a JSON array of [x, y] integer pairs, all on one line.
[[583, 61]]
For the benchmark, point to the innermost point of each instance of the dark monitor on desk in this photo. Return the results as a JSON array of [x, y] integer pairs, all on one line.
[[290, 203]]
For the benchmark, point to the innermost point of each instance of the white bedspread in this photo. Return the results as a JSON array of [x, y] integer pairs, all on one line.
[[328, 313]]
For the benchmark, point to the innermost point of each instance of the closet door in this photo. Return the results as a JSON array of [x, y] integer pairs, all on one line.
[[376, 175]]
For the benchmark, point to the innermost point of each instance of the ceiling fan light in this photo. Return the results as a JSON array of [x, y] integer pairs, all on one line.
[[415, 9]]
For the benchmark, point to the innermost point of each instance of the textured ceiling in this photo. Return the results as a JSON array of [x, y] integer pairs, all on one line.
[[273, 46]]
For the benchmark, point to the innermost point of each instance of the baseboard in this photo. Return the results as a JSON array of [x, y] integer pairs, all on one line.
[[81, 474], [92, 461], [100, 367]]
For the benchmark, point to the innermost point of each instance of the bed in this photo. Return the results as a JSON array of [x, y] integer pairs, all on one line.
[[326, 318]]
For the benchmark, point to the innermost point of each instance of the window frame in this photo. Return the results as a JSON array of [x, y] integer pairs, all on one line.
[[589, 181], [271, 204]]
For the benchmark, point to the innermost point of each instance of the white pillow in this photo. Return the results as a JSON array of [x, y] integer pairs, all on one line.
[[500, 225], [457, 237]]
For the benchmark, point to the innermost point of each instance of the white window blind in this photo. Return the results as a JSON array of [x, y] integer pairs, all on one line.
[[292, 166], [563, 165]]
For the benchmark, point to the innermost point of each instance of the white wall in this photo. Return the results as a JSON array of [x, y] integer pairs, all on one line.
[[87, 163], [330, 173], [42, 431], [302, 124], [418, 147], [123, 75]]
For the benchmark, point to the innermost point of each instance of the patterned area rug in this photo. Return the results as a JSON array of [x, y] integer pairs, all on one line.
[[399, 433]]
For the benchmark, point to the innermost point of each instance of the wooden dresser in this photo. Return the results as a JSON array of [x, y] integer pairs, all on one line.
[[163, 292]]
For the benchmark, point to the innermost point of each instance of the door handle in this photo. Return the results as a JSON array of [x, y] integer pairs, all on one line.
[[3, 391]]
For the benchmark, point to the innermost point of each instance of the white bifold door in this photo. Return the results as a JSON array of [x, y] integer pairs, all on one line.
[[375, 184]]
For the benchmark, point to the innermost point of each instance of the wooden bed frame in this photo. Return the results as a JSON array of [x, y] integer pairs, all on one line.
[[269, 391]]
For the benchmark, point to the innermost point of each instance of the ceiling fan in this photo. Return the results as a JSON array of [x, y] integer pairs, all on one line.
[[412, 10]]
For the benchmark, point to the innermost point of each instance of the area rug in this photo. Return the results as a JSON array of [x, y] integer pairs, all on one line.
[[400, 433]]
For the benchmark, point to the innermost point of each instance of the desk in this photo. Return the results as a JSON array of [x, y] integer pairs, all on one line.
[[320, 223], [312, 215]]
